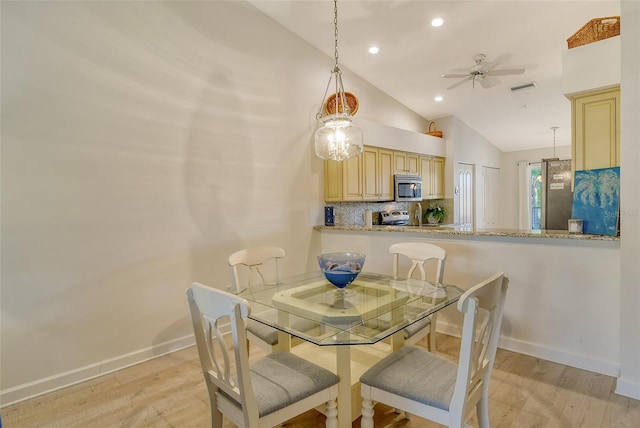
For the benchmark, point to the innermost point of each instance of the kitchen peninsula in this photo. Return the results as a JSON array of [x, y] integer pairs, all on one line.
[[562, 296], [467, 231]]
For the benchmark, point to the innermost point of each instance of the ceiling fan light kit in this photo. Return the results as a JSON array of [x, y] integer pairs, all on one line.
[[480, 73]]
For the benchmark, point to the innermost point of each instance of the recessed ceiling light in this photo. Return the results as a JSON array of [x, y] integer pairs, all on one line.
[[374, 50], [436, 22], [438, 98]]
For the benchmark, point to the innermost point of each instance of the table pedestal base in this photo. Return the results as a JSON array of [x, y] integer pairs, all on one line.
[[349, 363]]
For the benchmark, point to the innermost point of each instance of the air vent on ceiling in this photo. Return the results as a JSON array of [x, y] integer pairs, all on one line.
[[523, 87]]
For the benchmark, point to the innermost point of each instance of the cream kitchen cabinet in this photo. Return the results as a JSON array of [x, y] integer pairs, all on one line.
[[406, 163], [352, 179], [368, 177], [332, 181], [432, 173], [595, 137], [377, 174]]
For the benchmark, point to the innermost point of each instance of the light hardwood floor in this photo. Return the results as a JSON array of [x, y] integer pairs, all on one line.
[[170, 392]]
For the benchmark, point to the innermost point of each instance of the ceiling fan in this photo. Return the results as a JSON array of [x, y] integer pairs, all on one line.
[[480, 73]]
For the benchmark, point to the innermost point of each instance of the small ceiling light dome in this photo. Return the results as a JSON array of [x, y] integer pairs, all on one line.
[[439, 98], [437, 22], [374, 50]]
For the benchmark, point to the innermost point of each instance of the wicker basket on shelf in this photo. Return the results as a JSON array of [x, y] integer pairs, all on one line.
[[595, 30], [434, 132]]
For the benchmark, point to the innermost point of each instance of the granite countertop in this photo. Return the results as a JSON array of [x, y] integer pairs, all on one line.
[[468, 231]]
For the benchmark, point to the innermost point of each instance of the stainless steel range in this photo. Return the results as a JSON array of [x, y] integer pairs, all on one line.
[[394, 217]]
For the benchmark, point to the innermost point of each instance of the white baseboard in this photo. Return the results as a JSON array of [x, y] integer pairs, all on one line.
[[32, 389], [628, 388], [608, 368], [449, 329]]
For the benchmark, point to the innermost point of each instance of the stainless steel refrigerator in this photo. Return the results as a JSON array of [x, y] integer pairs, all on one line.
[[557, 196]]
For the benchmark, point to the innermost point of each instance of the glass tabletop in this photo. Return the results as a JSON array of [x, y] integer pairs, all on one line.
[[372, 308]]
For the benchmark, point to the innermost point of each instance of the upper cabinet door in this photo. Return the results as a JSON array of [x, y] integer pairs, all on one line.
[[385, 174], [400, 162], [432, 173], [377, 182], [596, 130], [370, 182], [332, 181], [406, 163], [426, 168], [413, 164], [437, 181], [352, 179]]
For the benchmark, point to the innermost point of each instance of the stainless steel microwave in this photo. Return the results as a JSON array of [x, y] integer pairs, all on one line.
[[408, 188]]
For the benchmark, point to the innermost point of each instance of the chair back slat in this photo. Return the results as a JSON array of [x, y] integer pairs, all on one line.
[[253, 260], [419, 253], [217, 351]]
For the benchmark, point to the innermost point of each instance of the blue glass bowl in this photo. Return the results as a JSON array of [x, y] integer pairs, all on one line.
[[341, 269]]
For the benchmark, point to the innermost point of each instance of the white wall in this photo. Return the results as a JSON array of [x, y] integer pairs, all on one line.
[[629, 382], [143, 142], [583, 70], [466, 145], [389, 137]]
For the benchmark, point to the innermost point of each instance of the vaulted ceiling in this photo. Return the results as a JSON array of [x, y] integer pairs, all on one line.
[[413, 56]]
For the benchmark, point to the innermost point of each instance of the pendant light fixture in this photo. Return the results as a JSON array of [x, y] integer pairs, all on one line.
[[337, 138], [554, 129]]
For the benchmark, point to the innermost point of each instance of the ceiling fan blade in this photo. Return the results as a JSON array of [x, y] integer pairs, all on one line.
[[455, 85], [505, 72], [486, 66], [457, 76]]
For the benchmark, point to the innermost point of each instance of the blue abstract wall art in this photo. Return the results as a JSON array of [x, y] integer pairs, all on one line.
[[596, 200]]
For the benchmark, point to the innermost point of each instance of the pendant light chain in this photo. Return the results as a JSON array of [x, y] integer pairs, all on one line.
[[554, 129], [336, 74], [341, 98], [337, 138], [335, 26], [336, 68]]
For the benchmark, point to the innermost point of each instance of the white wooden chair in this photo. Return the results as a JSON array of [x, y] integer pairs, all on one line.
[[252, 261], [420, 253], [245, 265], [272, 390], [422, 383]]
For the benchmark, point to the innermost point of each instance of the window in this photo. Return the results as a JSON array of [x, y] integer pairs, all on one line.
[[535, 193]]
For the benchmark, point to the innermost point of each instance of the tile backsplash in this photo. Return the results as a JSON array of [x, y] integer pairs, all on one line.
[[352, 213]]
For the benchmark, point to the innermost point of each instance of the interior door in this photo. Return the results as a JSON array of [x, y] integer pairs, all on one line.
[[464, 195], [490, 197]]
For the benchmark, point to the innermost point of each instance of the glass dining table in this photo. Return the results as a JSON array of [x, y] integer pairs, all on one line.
[[373, 310]]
